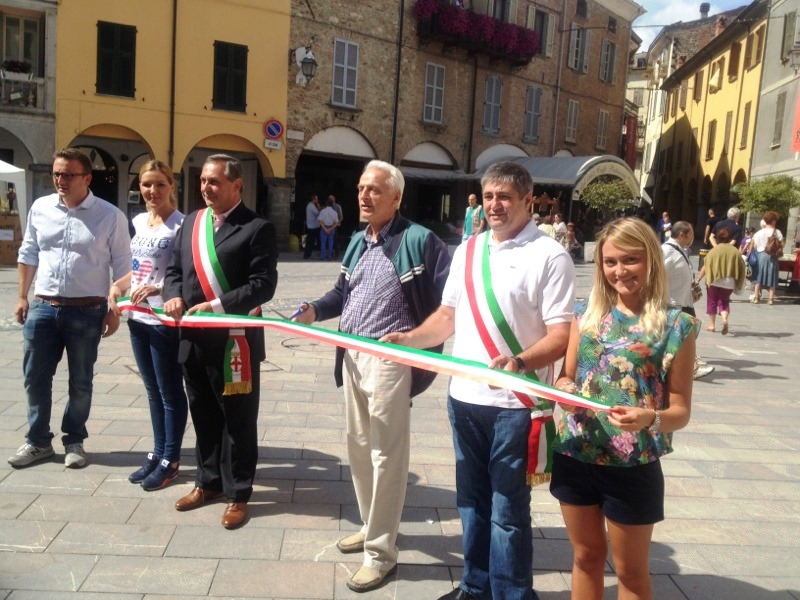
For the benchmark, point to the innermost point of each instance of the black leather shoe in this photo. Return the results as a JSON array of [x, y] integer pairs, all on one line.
[[458, 594]]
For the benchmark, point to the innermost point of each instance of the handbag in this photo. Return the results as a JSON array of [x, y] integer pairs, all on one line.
[[774, 246], [697, 291], [752, 258]]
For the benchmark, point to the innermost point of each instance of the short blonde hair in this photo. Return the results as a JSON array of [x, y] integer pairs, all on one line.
[[629, 235]]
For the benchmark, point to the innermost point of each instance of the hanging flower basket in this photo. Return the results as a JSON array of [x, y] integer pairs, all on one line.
[[16, 66]]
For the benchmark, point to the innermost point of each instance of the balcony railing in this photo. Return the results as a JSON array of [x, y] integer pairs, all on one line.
[[453, 25], [21, 91]]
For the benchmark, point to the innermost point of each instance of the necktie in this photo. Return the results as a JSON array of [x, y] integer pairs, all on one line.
[[218, 221]]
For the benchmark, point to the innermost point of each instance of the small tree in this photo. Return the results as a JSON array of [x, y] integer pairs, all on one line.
[[775, 192], [606, 199]]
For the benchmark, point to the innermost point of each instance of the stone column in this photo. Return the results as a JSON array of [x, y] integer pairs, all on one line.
[[279, 194]]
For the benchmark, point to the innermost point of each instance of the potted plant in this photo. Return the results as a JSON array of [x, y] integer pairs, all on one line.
[[18, 70]]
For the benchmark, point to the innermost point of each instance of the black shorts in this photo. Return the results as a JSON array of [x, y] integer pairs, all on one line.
[[626, 495]]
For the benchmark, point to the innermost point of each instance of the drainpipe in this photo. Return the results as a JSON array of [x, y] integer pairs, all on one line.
[[558, 78], [471, 132], [397, 80], [171, 150]]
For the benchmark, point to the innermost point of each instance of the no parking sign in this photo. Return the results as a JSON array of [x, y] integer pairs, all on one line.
[[273, 129]]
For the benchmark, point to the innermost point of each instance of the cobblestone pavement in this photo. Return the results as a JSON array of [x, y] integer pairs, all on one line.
[[733, 483]]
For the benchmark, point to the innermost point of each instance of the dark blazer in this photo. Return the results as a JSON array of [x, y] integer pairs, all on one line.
[[248, 253]]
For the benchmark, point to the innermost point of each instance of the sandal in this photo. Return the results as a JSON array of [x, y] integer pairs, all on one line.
[[724, 329], [711, 329]]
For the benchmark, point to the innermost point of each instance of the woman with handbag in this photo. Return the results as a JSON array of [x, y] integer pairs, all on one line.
[[626, 344], [768, 242], [724, 271]]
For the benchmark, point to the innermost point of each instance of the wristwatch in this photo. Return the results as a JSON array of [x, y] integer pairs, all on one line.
[[520, 364], [655, 426]]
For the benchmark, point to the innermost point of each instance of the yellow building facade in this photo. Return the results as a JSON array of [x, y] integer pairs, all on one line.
[[175, 80], [709, 120]]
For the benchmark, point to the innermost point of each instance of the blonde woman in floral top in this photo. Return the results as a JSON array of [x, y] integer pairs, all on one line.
[[629, 347]]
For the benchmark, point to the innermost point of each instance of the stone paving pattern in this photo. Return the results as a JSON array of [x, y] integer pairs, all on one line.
[[733, 483]]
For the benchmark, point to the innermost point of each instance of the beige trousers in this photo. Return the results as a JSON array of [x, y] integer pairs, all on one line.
[[378, 407]]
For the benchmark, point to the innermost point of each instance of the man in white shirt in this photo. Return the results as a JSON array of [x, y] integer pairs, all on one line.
[[680, 278], [72, 244], [532, 286], [312, 225]]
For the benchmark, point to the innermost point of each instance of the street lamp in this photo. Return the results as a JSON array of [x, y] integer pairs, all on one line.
[[308, 66], [794, 56], [305, 62]]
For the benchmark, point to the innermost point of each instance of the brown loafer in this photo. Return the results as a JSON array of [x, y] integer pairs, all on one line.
[[197, 497], [235, 515], [351, 543]]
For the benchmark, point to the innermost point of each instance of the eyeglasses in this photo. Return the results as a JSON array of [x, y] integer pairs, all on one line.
[[67, 176]]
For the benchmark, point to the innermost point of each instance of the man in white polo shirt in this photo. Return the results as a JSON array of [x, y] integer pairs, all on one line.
[[517, 320]]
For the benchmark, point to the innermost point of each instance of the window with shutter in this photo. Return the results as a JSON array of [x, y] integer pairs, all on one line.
[[491, 105], [697, 94], [726, 139], [230, 77], [693, 148], [780, 109], [684, 93], [733, 65], [433, 110], [789, 33], [745, 125], [345, 73], [573, 108], [116, 59], [532, 112], [602, 130], [712, 134]]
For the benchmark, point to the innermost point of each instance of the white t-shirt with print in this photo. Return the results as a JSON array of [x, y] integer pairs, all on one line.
[[151, 249]]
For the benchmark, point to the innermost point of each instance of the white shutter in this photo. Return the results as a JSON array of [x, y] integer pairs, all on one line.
[[585, 43], [604, 60], [512, 12], [537, 102], [530, 15], [551, 29], [613, 63], [572, 59]]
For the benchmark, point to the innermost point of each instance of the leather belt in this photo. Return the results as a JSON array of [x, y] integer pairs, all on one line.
[[83, 301]]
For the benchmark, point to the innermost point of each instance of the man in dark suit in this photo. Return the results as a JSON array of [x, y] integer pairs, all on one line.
[[221, 366]]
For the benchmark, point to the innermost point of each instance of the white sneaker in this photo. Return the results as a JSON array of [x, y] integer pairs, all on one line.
[[29, 454], [702, 371], [75, 456]]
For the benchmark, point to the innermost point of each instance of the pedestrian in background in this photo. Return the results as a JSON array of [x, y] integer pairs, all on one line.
[[392, 278], [768, 265], [732, 223], [628, 346], [328, 222], [73, 244], [312, 225], [155, 346], [664, 227], [474, 218], [724, 272], [337, 207], [680, 279]]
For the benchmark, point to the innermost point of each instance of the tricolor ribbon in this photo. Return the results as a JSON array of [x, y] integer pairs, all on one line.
[[236, 363], [412, 357]]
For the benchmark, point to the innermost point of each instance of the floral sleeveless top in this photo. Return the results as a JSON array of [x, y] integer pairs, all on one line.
[[624, 367]]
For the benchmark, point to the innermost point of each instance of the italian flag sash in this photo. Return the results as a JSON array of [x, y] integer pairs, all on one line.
[[236, 364], [492, 325]]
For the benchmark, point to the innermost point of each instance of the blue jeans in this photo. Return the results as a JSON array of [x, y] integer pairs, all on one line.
[[326, 244], [493, 499], [47, 332], [155, 348]]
